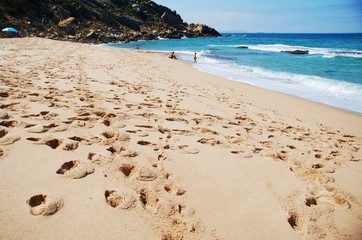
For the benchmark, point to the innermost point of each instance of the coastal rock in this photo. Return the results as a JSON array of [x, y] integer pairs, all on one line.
[[297, 52], [202, 30], [66, 22], [91, 34], [132, 23], [171, 20], [97, 21]]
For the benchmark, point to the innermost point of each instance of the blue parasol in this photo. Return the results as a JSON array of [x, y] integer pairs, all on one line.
[[9, 29]]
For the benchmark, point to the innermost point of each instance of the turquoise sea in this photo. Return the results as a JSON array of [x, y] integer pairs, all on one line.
[[331, 73]]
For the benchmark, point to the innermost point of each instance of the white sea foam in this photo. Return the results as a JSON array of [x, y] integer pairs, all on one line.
[[223, 45], [328, 91], [326, 52]]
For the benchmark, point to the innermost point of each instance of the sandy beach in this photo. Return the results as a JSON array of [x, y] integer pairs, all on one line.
[[101, 143]]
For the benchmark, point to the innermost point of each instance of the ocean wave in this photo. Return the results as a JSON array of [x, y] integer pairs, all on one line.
[[313, 83], [223, 45], [326, 52], [328, 91]]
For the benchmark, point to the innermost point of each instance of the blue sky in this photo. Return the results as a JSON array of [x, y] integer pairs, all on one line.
[[290, 16]]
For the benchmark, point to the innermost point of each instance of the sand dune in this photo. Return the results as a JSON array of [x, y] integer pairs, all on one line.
[[102, 143]]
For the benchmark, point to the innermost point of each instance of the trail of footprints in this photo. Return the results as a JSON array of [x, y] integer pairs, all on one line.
[[149, 186], [314, 164]]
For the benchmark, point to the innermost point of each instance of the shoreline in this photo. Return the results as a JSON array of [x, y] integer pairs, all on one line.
[[302, 98], [294, 100], [337, 88], [153, 148], [190, 62]]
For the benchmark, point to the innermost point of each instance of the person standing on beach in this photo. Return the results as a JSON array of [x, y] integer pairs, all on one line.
[[195, 58]]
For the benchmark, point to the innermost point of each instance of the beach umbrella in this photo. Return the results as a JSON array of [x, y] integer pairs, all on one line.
[[9, 29]]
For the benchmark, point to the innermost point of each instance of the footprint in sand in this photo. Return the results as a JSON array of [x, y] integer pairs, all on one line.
[[129, 154], [67, 144], [98, 159], [144, 143], [46, 115], [6, 139], [81, 124], [209, 141], [120, 200], [242, 153], [185, 210], [163, 130], [127, 169], [110, 134], [171, 188], [51, 128], [86, 141], [9, 124], [156, 204], [309, 201], [3, 132], [4, 115], [208, 131], [336, 199], [161, 156], [75, 169], [49, 141], [119, 147], [148, 198], [294, 220], [187, 150], [146, 175], [4, 94], [279, 156], [317, 165], [44, 205]]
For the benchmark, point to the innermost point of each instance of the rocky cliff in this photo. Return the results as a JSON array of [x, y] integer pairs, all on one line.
[[97, 21]]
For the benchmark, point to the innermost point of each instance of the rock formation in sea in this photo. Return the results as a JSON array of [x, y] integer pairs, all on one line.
[[297, 52], [97, 21]]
